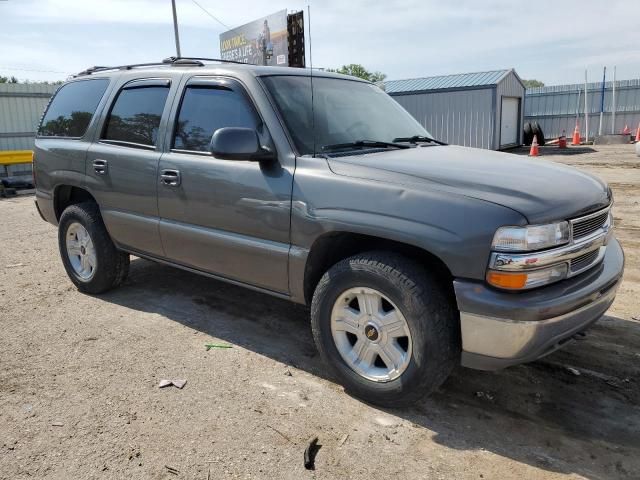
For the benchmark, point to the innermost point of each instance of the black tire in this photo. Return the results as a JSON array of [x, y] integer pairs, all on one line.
[[528, 134], [537, 131], [112, 264], [430, 313]]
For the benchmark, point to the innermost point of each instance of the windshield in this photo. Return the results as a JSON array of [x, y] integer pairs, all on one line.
[[346, 111]]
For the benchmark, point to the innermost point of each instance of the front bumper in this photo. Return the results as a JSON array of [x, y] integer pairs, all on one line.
[[500, 329]]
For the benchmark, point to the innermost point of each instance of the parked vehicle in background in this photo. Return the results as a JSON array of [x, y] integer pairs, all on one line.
[[414, 256]]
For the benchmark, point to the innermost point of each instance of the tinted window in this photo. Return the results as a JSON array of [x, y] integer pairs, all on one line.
[[72, 107], [135, 116], [206, 109]]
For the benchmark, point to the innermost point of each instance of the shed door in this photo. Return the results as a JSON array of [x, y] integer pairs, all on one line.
[[509, 121]]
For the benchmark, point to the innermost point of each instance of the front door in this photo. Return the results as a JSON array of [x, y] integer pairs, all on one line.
[[226, 217], [122, 165], [509, 121]]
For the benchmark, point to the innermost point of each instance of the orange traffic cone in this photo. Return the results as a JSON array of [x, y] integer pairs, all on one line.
[[576, 136], [626, 130], [534, 147], [638, 134]]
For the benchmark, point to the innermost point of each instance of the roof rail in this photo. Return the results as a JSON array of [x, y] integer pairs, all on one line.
[[177, 61]]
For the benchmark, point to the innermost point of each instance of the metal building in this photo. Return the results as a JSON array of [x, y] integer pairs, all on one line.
[[21, 105], [482, 110], [555, 107]]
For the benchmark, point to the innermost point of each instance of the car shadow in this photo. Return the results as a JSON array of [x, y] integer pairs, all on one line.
[[575, 411]]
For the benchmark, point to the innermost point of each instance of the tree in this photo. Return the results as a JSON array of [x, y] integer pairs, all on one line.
[[11, 79], [533, 83], [357, 70]]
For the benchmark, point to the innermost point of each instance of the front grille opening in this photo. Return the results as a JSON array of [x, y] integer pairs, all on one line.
[[583, 228], [584, 260]]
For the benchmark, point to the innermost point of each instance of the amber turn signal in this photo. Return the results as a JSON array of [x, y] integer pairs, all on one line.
[[511, 281]]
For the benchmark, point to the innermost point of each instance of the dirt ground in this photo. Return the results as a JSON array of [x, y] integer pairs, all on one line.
[[79, 396]]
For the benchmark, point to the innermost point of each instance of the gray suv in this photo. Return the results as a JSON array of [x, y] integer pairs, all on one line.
[[413, 256]]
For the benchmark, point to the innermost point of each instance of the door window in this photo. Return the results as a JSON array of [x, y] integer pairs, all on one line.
[[72, 108], [135, 115], [204, 110]]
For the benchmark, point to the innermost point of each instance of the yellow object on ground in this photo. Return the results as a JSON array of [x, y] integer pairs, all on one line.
[[11, 157]]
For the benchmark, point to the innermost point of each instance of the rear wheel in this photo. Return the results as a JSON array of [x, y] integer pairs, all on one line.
[[386, 327], [90, 258]]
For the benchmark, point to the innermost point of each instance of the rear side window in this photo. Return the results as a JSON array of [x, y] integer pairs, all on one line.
[[72, 108], [135, 116], [206, 109]]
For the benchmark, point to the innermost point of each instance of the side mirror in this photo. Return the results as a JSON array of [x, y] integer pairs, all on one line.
[[235, 143]]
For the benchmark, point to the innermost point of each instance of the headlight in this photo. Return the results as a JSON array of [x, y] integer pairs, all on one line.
[[528, 279], [530, 237]]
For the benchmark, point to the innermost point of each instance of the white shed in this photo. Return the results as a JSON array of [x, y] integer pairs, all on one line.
[[482, 110]]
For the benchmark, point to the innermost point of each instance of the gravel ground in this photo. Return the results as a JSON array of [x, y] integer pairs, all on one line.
[[79, 375]]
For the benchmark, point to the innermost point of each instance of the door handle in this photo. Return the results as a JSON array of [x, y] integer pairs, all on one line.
[[100, 166], [170, 178]]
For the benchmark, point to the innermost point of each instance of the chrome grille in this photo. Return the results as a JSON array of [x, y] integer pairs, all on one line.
[[584, 260], [585, 226]]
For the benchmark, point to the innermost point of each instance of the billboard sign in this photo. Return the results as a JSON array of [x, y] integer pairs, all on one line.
[[261, 42]]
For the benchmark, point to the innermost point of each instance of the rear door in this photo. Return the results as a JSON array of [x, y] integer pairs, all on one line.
[[227, 217], [122, 166]]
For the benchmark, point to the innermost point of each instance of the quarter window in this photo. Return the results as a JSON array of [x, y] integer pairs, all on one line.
[[135, 116], [72, 108], [204, 110]]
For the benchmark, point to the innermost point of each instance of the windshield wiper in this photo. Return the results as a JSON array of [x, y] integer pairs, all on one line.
[[417, 139], [362, 144]]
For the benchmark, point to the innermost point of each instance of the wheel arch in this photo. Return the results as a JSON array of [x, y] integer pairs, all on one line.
[[66, 195], [332, 247]]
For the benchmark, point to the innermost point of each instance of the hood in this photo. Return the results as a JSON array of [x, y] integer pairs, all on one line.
[[540, 190]]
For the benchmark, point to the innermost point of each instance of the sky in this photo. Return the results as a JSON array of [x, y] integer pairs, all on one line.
[[552, 41]]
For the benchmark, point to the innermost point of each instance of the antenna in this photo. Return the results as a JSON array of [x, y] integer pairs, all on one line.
[[313, 113], [175, 27]]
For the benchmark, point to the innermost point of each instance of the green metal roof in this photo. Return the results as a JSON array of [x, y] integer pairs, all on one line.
[[462, 80]]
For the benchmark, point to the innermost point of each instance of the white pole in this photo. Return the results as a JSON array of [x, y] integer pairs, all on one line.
[[586, 112], [175, 27], [613, 104]]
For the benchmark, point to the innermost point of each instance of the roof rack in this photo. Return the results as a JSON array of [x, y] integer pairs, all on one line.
[[177, 59], [173, 61]]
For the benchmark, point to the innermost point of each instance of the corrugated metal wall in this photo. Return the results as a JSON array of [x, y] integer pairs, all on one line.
[[509, 86], [463, 117], [21, 106], [469, 117], [554, 107]]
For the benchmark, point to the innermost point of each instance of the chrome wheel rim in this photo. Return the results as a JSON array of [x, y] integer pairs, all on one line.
[[80, 251], [371, 334]]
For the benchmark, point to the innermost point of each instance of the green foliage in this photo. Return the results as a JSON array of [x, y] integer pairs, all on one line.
[[533, 83], [11, 79], [357, 70]]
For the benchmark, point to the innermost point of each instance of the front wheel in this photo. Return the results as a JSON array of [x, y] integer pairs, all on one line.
[[387, 327], [90, 258]]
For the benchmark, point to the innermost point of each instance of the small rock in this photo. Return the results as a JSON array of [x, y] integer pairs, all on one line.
[[574, 371], [288, 373], [165, 383], [180, 383], [57, 424], [386, 421]]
